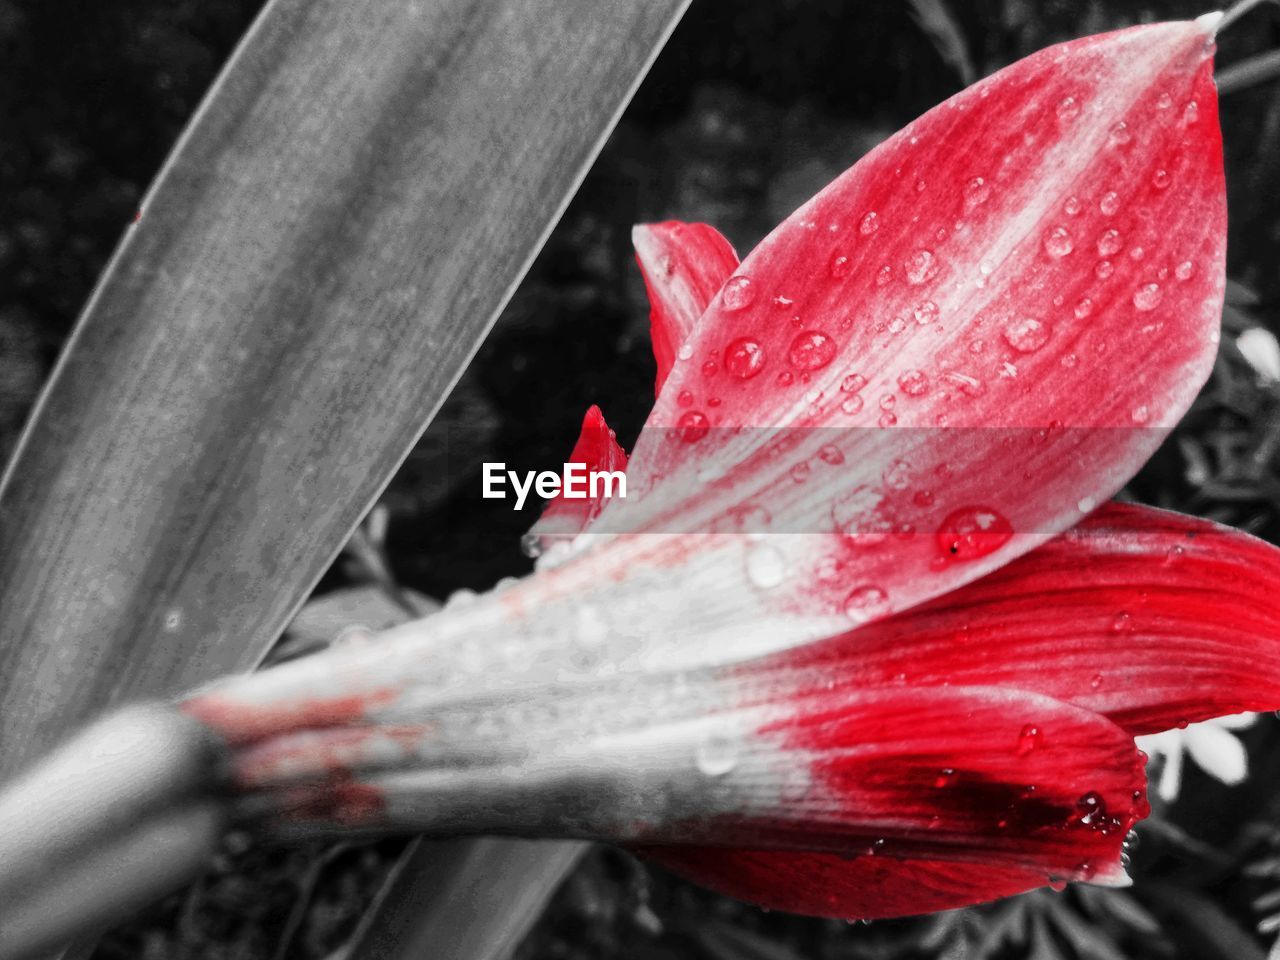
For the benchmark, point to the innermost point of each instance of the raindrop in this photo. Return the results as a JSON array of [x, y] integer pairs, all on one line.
[[766, 567], [852, 405], [744, 358], [977, 346], [1148, 296], [709, 369], [865, 603], [1026, 335], [1191, 112], [922, 266], [973, 532], [717, 755], [869, 223], [853, 383], [897, 325], [1109, 203], [800, 472], [887, 401], [1122, 622], [897, 476], [884, 275], [1110, 243], [1119, 134], [1086, 504], [1068, 108], [1084, 308], [737, 293], [1029, 740], [840, 266], [830, 453], [173, 620], [685, 398], [976, 192], [914, 383], [1140, 415], [786, 378], [1072, 206], [811, 350], [693, 426], [685, 351], [1183, 270], [1095, 681], [945, 776], [1057, 242], [1104, 269], [925, 313], [1160, 179], [1164, 102], [887, 420]]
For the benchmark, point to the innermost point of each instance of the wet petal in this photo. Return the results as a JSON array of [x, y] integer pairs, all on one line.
[[683, 265], [1152, 618]]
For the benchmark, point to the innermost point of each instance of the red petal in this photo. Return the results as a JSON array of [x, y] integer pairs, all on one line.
[[683, 264], [1030, 406], [597, 447], [825, 885], [1149, 617]]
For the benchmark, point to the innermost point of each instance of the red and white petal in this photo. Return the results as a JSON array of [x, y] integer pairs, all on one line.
[[1152, 618], [597, 449], [826, 885], [973, 775], [684, 265]]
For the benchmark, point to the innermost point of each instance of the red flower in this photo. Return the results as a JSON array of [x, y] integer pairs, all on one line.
[[860, 643]]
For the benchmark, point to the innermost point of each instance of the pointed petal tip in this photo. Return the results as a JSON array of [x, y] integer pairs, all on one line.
[[1210, 22]]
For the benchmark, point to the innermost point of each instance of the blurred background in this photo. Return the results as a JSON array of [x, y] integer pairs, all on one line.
[[751, 108]]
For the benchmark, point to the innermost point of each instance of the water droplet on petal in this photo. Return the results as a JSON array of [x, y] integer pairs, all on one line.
[[1183, 270], [976, 192], [830, 453], [1029, 740], [1164, 101], [865, 603], [685, 398], [1160, 179], [800, 472], [1083, 308], [811, 350], [840, 266], [869, 223], [737, 293], [897, 476], [852, 405], [1109, 243], [1140, 415], [1148, 296], [1072, 206], [1119, 134], [853, 383], [717, 755], [1104, 269], [1026, 335], [1058, 243], [709, 369], [973, 532], [921, 267], [925, 313], [685, 351], [766, 566], [692, 426], [1109, 203], [1191, 112], [914, 383], [744, 358], [1068, 108]]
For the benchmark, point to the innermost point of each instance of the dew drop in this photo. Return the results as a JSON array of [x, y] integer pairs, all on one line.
[[1029, 740], [1026, 335], [1083, 308], [800, 472], [737, 293], [717, 755], [1140, 415], [888, 401], [1164, 102], [925, 313], [1072, 206], [786, 378], [685, 351], [709, 369], [1183, 270], [897, 476], [1104, 269], [692, 426], [1068, 108], [830, 453], [1160, 179], [1095, 681], [685, 398], [884, 275], [865, 603], [869, 223], [1109, 243], [853, 383], [766, 567], [921, 267], [1148, 296], [976, 192], [1109, 203], [897, 325], [840, 266], [811, 350], [744, 358], [887, 419], [973, 532], [852, 405], [914, 383], [1119, 134], [1058, 243], [1191, 112], [1122, 622]]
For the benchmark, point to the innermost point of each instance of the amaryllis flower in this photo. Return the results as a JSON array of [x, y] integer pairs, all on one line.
[[863, 639]]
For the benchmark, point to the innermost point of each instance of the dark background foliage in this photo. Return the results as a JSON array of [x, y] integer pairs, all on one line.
[[750, 109]]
